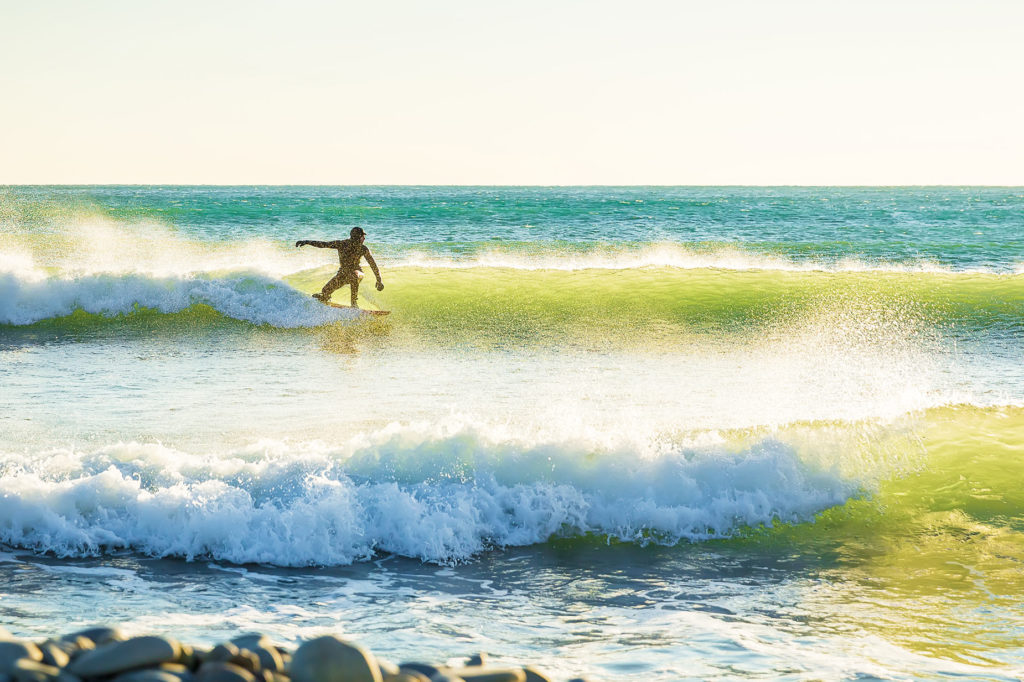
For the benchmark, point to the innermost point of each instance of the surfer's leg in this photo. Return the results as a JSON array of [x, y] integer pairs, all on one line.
[[333, 285], [353, 285]]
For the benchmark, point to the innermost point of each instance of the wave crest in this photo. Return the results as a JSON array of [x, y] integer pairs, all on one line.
[[28, 299], [437, 497]]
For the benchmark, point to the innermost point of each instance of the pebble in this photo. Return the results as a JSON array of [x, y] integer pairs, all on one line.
[[103, 654], [98, 636], [329, 659], [148, 675], [427, 671], [12, 649], [116, 657], [27, 670], [53, 654], [217, 671], [477, 674]]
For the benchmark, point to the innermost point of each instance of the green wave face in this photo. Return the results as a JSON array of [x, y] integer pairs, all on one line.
[[659, 306], [934, 556]]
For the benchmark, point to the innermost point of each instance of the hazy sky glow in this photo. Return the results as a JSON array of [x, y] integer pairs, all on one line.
[[678, 92]]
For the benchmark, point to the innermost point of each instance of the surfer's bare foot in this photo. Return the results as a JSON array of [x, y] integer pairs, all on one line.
[[321, 298]]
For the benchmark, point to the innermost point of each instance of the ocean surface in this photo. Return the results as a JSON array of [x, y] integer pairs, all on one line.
[[645, 433]]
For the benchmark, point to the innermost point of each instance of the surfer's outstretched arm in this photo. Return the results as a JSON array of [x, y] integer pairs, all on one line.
[[376, 271], [320, 245]]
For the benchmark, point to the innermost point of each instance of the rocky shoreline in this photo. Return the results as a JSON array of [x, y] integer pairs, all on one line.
[[104, 654]]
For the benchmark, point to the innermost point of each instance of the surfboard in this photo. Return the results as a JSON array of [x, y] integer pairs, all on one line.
[[361, 310]]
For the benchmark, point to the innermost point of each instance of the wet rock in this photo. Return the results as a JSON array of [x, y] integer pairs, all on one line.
[[117, 657], [187, 654], [222, 653], [174, 668], [487, 674], [12, 649], [73, 647], [329, 659], [476, 659], [273, 676], [441, 677], [147, 675], [196, 658], [229, 653], [53, 654], [27, 670], [424, 669], [98, 635], [533, 675], [217, 671], [269, 656]]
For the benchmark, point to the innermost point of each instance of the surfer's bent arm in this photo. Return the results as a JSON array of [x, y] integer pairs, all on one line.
[[373, 266], [320, 245]]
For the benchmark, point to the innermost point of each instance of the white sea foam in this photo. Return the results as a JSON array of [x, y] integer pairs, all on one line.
[[418, 491], [29, 297]]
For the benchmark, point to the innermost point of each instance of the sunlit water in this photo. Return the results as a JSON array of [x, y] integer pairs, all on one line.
[[645, 433]]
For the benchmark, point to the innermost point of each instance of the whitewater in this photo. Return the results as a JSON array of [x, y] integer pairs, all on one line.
[[668, 432]]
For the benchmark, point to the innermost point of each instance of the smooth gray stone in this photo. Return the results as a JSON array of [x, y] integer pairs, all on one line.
[[53, 654], [274, 676], [329, 659], [476, 659], [177, 669], [147, 675], [424, 669], [195, 658], [222, 652], [217, 671], [534, 675], [270, 657], [487, 674], [27, 670], [441, 677], [74, 647], [12, 649], [117, 657], [98, 636], [246, 659], [187, 654]]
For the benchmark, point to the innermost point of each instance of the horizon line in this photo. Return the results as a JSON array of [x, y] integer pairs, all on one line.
[[538, 185]]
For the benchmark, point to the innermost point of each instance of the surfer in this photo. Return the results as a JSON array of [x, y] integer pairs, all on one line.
[[350, 252]]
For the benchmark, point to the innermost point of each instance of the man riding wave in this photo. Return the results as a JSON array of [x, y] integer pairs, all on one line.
[[350, 252]]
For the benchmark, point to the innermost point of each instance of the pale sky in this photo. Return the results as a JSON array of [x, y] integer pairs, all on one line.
[[515, 92]]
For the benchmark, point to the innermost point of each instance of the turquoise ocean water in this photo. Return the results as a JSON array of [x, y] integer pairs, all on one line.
[[628, 433]]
